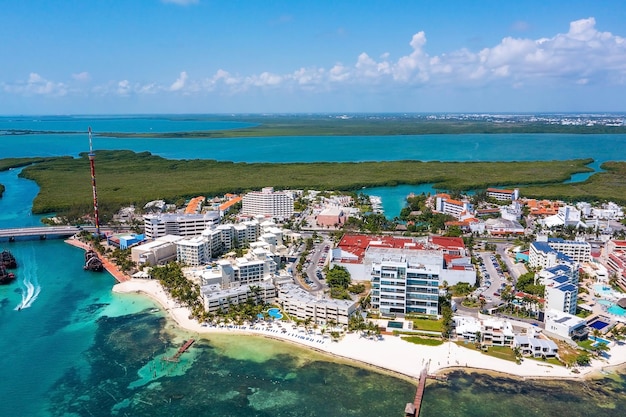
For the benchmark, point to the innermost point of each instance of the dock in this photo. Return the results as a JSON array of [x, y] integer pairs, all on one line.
[[181, 350], [413, 409]]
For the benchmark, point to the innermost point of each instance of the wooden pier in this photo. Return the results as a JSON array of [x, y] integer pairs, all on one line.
[[181, 350], [413, 409]]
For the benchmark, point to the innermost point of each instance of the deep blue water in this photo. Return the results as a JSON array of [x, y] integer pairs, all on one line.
[[76, 349]]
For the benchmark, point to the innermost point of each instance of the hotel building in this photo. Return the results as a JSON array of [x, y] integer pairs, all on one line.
[[268, 203], [157, 225]]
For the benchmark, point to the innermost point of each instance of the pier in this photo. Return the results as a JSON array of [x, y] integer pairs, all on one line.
[[413, 409], [181, 350], [37, 232]]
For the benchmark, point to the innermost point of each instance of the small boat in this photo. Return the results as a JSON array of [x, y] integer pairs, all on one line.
[[93, 262], [8, 260], [5, 276]]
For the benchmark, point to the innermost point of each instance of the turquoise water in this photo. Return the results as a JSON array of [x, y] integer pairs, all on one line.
[[617, 310], [275, 313], [77, 349], [599, 340], [119, 124]]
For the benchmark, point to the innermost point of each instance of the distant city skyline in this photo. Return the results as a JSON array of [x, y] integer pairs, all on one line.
[[203, 56]]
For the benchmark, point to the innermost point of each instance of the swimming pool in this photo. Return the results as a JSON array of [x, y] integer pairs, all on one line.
[[605, 302], [275, 313], [605, 291], [617, 310], [598, 324], [598, 340]]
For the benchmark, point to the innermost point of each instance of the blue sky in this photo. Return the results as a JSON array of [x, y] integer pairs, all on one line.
[[235, 56]]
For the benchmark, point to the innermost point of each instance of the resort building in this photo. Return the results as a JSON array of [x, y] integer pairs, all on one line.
[[488, 332], [157, 225], [546, 252], [616, 261], [125, 240], [401, 287], [216, 299], [503, 227], [503, 195], [447, 205], [566, 326], [566, 216], [193, 251], [331, 217], [561, 287], [533, 346], [268, 203], [303, 305], [158, 252]]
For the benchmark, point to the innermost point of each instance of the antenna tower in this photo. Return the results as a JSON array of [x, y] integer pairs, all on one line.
[[92, 164]]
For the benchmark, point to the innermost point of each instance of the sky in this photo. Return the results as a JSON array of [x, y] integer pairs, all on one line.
[[313, 56]]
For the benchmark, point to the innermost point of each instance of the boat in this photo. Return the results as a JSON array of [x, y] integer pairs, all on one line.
[[8, 260], [93, 262], [5, 276]]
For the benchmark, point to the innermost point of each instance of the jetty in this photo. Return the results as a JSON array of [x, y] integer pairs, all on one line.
[[413, 409], [180, 351]]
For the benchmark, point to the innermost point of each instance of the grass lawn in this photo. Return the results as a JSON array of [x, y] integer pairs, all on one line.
[[423, 340], [428, 325], [586, 344], [501, 352]]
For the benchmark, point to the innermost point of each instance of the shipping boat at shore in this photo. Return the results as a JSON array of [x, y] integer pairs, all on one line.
[[93, 262], [7, 260], [5, 276]]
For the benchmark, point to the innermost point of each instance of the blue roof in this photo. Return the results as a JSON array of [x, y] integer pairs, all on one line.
[[561, 279], [558, 268], [543, 247], [560, 240], [567, 288]]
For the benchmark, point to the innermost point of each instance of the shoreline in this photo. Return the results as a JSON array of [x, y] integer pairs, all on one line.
[[388, 354]]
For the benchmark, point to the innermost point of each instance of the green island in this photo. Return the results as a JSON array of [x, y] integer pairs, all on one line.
[[126, 177], [357, 125]]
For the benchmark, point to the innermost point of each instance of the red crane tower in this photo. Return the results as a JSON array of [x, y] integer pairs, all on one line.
[[92, 164]]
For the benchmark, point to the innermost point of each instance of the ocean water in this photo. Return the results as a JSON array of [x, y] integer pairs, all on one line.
[[76, 349]]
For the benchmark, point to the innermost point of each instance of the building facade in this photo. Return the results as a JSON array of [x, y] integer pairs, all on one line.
[[268, 203], [401, 288], [157, 225]]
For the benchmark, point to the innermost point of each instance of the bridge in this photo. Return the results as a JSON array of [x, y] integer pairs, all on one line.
[[37, 232]]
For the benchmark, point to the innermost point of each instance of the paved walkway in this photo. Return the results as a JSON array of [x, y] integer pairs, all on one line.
[[106, 262]]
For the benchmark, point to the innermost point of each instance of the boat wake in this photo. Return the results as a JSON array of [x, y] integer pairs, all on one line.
[[30, 289]]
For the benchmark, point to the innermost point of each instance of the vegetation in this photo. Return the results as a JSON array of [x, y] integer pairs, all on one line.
[[126, 177], [338, 279], [427, 324], [180, 288], [428, 341], [323, 125], [526, 283]]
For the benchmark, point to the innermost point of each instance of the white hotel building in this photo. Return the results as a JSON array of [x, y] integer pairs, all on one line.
[[268, 203], [547, 252], [400, 287], [158, 225], [303, 305], [446, 205]]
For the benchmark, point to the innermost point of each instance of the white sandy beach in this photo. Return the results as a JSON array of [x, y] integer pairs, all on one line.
[[389, 352]]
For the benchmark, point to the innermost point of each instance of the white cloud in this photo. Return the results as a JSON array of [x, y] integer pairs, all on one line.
[[81, 76], [180, 82], [123, 88], [36, 85], [581, 56]]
